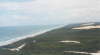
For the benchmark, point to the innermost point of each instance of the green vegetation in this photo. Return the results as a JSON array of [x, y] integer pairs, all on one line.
[[48, 43]]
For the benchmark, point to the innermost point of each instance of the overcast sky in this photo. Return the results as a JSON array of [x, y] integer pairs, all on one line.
[[44, 12]]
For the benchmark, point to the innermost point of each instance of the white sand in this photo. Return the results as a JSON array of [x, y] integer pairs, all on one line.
[[77, 52], [68, 41], [18, 48], [98, 53], [87, 27], [95, 53], [29, 36]]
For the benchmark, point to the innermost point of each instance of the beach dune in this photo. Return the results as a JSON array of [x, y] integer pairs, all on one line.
[[61, 40]]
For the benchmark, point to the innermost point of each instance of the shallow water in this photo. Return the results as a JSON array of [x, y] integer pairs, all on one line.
[[7, 33]]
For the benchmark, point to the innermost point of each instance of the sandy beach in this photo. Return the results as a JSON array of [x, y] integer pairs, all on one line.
[[29, 36]]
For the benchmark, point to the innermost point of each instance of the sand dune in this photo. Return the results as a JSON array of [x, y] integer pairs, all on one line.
[[68, 41], [18, 48], [87, 27], [98, 53]]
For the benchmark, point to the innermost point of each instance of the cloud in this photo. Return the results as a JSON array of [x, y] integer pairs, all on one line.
[[15, 0], [50, 11], [33, 5], [75, 10]]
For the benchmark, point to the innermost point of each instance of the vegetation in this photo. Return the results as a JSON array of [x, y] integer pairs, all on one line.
[[48, 43]]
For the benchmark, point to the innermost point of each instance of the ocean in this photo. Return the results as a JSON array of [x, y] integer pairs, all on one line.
[[12, 32]]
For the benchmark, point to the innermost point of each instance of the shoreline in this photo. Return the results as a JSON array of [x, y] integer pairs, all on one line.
[[28, 36]]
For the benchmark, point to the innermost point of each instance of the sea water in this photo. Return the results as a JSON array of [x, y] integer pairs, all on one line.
[[11, 32]]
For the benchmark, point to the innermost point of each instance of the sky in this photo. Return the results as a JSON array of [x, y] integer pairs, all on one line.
[[46, 12]]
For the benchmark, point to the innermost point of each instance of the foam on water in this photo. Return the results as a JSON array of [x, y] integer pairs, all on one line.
[[29, 36]]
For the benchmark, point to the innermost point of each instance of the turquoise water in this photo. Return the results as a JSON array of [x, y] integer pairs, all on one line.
[[7, 33]]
